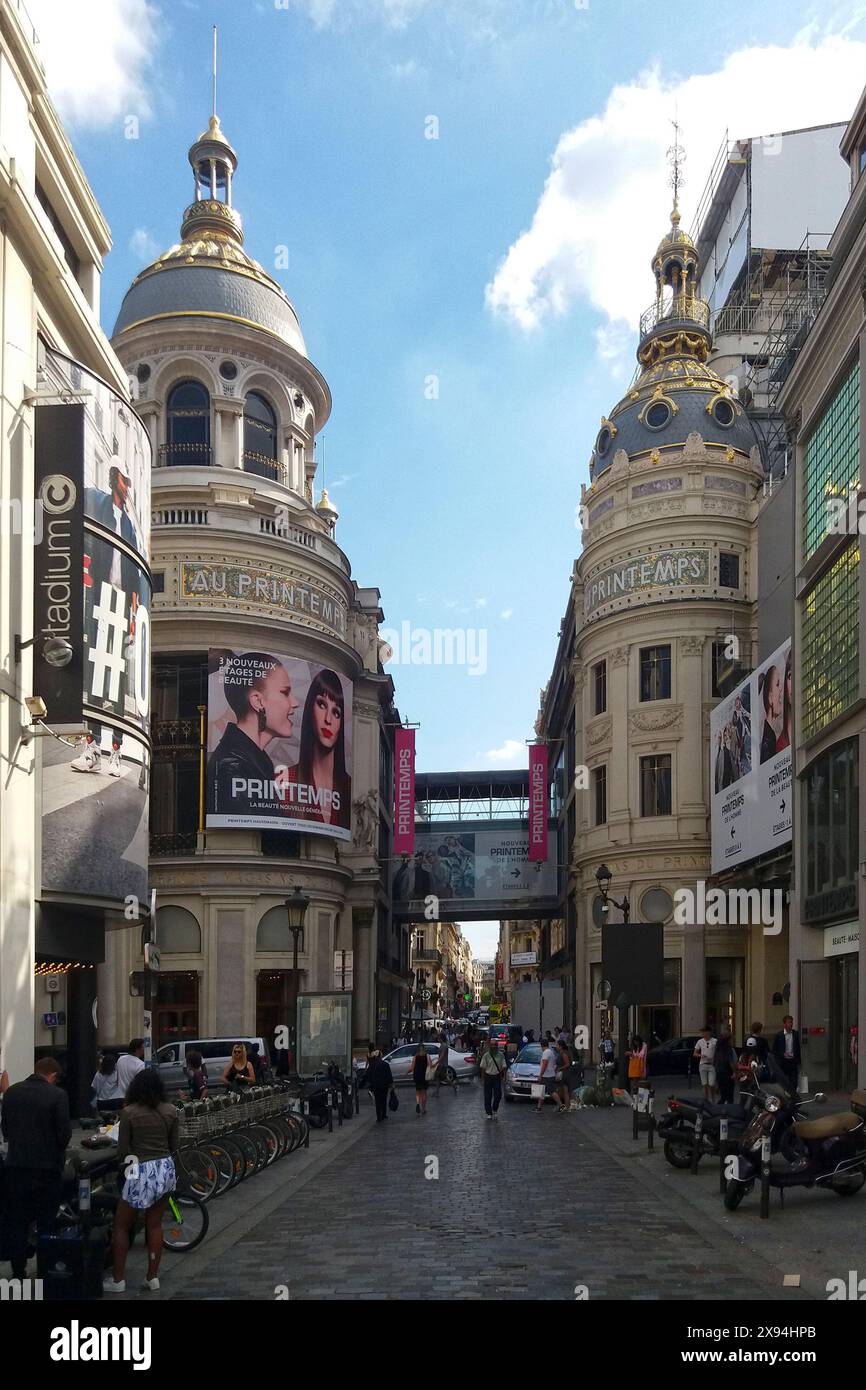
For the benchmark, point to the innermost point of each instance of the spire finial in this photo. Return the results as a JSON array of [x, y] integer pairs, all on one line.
[[676, 156], [214, 74]]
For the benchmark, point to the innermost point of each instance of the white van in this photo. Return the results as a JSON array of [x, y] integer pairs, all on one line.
[[216, 1055]]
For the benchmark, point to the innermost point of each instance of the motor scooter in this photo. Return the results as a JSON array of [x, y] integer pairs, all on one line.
[[829, 1152], [679, 1127]]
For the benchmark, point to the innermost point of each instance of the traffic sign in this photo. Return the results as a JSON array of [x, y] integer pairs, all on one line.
[[151, 956]]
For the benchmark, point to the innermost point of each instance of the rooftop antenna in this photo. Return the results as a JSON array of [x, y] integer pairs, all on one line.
[[214, 70]]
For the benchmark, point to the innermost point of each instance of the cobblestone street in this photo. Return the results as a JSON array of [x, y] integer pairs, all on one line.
[[524, 1207]]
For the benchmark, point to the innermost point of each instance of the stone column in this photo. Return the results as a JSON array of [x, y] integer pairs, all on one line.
[[618, 808], [691, 752]]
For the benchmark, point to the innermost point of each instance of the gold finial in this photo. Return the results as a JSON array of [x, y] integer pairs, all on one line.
[[676, 156]]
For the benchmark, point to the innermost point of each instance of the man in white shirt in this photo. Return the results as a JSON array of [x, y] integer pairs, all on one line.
[[705, 1050], [130, 1064], [547, 1076]]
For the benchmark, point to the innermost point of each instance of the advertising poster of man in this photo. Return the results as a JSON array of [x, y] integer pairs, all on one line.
[[279, 744], [471, 866], [95, 791]]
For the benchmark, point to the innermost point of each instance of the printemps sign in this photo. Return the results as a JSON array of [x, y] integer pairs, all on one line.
[[666, 569]]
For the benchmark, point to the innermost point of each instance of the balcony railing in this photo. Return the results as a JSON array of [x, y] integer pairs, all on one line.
[[185, 455], [176, 735], [428, 955], [174, 844], [683, 308], [261, 465]]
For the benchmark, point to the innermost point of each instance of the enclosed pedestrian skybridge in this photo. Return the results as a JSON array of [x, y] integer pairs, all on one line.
[[471, 859]]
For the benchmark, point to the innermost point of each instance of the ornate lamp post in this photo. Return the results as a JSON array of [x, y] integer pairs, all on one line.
[[296, 911]]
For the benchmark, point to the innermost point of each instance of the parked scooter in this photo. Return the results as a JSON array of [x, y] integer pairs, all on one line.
[[678, 1128], [829, 1152]]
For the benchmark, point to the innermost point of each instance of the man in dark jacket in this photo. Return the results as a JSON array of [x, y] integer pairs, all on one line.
[[36, 1126], [379, 1079], [786, 1050]]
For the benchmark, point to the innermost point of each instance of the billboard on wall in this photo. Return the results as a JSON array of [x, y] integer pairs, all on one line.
[[750, 764], [473, 865], [279, 743], [92, 591]]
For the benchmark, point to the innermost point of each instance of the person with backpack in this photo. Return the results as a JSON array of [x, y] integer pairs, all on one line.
[[492, 1067]]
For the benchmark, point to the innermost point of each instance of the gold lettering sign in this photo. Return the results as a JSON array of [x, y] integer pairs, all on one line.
[[255, 586], [666, 569]]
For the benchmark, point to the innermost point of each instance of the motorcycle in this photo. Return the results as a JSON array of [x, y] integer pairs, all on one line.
[[679, 1127], [829, 1152]]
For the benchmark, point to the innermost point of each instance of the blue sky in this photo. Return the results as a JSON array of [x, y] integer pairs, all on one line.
[[509, 258]]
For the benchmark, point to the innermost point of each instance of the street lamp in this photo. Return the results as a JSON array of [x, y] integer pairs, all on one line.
[[603, 878], [296, 911]]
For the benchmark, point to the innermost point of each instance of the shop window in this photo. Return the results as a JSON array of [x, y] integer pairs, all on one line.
[[829, 679], [260, 437], [831, 464], [729, 570], [831, 833], [177, 931]]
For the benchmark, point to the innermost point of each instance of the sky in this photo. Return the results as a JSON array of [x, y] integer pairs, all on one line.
[[470, 192]]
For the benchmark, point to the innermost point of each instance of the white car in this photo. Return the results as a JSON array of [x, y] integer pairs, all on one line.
[[523, 1072], [461, 1065]]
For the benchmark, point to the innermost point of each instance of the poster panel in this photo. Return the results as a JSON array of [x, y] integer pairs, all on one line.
[[469, 866], [750, 764], [279, 744]]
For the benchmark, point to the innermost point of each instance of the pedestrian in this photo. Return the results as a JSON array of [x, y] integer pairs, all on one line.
[[563, 1075], [762, 1047], [420, 1068], [197, 1073], [557, 1032], [547, 1075], [492, 1067], [36, 1126], [705, 1050], [786, 1050], [107, 1091], [440, 1075], [238, 1073], [130, 1063], [725, 1062], [148, 1138], [379, 1079], [637, 1062]]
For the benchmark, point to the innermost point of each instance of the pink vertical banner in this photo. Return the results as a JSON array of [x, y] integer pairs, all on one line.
[[404, 791], [537, 803]]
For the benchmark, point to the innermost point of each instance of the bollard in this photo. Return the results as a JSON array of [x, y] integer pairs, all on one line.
[[723, 1155], [634, 1116], [338, 1100], [696, 1151], [652, 1122], [765, 1177], [330, 1115], [357, 1097]]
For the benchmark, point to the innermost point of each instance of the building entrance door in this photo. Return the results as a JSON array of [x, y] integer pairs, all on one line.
[[657, 1023]]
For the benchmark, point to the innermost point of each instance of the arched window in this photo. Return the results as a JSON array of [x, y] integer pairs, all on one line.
[[188, 436], [273, 933], [260, 437], [177, 931]]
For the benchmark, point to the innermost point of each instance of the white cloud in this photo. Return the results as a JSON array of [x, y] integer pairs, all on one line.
[[343, 479], [97, 55], [143, 245], [481, 603], [404, 70], [606, 200], [511, 749], [506, 613]]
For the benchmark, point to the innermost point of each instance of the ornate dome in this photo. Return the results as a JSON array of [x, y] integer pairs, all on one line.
[[676, 393], [208, 273]]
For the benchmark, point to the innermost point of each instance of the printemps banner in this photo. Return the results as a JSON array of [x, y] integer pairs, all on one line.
[[404, 791], [279, 744], [750, 764], [92, 590]]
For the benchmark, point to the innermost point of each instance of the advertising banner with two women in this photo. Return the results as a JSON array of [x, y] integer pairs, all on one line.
[[279, 744]]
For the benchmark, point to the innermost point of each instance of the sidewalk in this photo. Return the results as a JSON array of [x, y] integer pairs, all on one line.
[[816, 1235]]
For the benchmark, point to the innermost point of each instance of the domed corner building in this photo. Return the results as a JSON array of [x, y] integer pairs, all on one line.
[[271, 715], [666, 577]]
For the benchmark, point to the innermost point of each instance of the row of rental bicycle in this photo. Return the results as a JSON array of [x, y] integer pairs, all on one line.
[[229, 1138]]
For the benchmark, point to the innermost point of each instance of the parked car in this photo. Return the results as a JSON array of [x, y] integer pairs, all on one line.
[[461, 1065], [674, 1057], [524, 1070], [216, 1055], [508, 1035]]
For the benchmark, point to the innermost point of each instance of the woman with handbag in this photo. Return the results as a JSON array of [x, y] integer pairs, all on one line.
[[148, 1138], [379, 1080], [637, 1062]]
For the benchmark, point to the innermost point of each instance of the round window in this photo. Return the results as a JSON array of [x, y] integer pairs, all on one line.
[[657, 415], [142, 372], [656, 905], [598, 917], [228, 371], [723, 413], [602, 444]]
